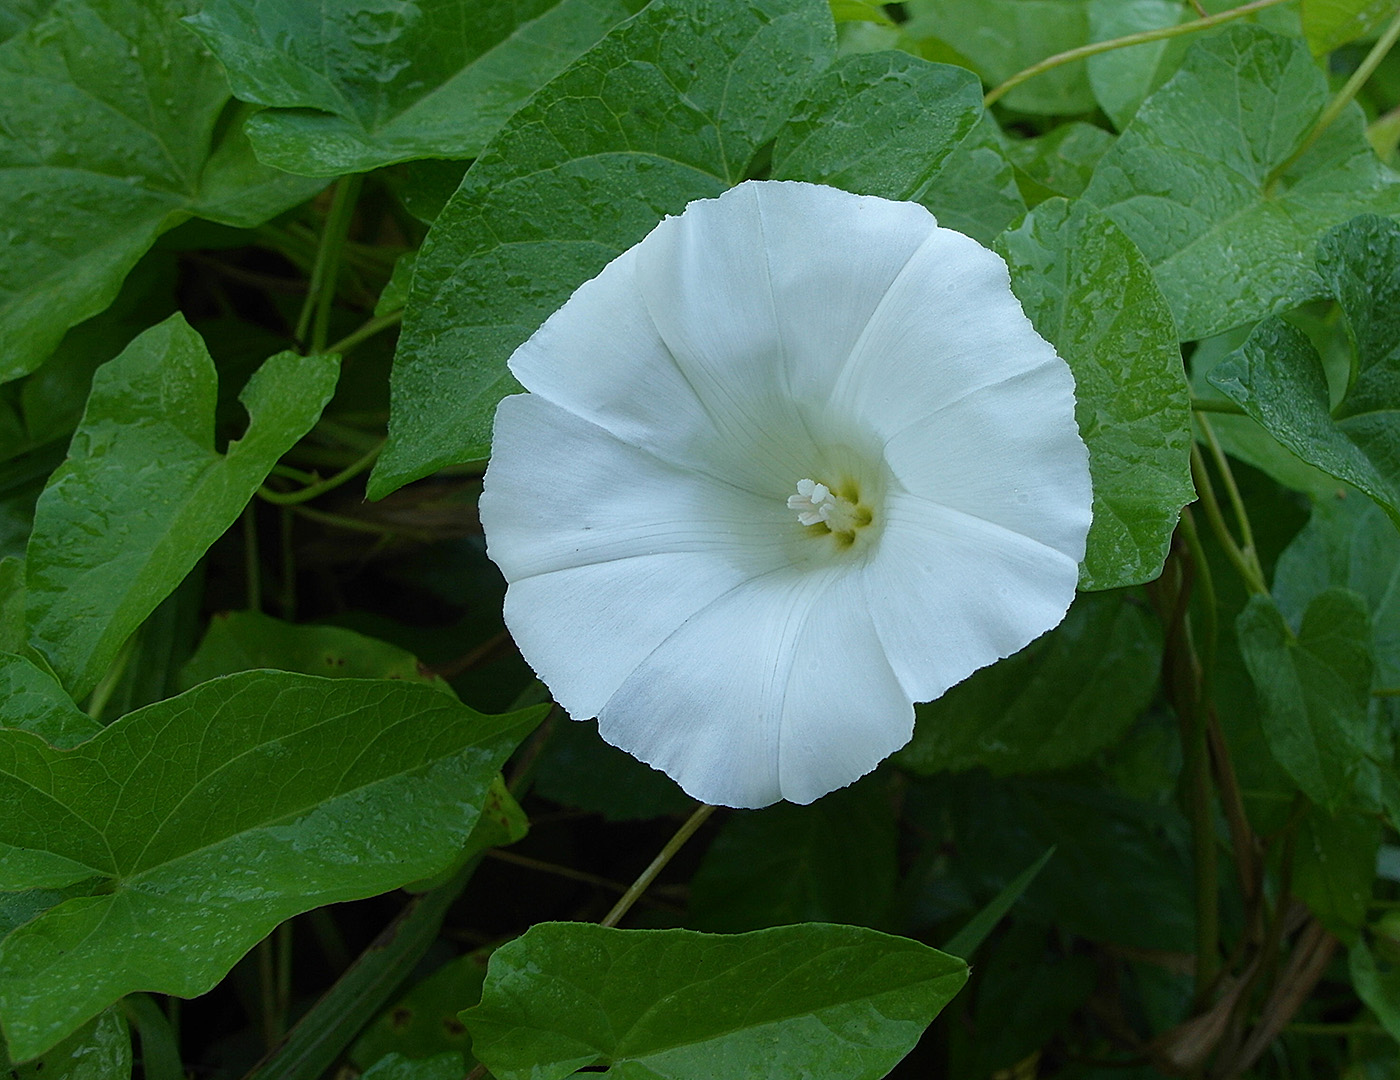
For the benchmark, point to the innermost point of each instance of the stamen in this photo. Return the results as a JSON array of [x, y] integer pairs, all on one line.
[[817, 504]]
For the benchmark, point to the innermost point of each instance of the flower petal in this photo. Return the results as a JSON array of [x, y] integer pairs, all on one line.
[[600, 357], [710, 340], [951, 593], [762, 293], [585, 629], [562, 492], [778, 689], [947, 326], [1009, 453]]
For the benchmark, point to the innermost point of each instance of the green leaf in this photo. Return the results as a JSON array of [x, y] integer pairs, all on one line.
[[1105, 845], [354, 87], [1090, 292], [671, 106], [144, 493], [965, 942], [577, 768], [1377, 985], [396, 1067], [1190, 179], [13, 632], [32, 700], [1334, 865], [1314, 690], [1243, 437], [1027, 991], [109, 136], [99, 1050], [1057, 703], [1330, 23], [878, 124], [1277, 378], [1122, 78], [832, 861], [1001, 37], [16, 15], [975, 190], [1348, 544], [244, 640], [361, 786], [1060, 162], [48, 402], [837, 1002], [423, 1022]]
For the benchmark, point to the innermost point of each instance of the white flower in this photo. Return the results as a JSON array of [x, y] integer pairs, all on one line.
[[790, 464]]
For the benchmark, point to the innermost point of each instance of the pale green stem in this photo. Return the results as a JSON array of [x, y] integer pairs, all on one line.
[[1196, 769], [635, 890], [103, 691], [325, 272], [1232, 492], [368, 330], [1342, 100], [647, 876], [312, 491], [1140, 38], [1253, 581]]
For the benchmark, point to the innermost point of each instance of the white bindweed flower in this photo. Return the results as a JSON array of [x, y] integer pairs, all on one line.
[[790, 464]]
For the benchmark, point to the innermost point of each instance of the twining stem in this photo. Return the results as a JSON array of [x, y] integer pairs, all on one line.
[[368, 330], [1183, 671], [1232, 491], [107, 685], [1341, 101], [1216, 749], [1386, 691], [1253, 578], [635, 890], [647, 876], [324, 272], [1140, 38], [312, 491]]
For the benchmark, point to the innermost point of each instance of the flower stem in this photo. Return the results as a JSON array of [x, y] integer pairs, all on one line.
[[635, 890], [311, 491], [325, 270], [368, 330], [1140, 38], [1341, 101], [1232, 492], [647, 876], [1205, 490], [1187, 691]]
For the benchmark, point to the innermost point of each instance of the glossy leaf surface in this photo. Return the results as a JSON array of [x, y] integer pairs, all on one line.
[[672, 106], [794, 1001], [1198, 179], [363, 786], [1091, 294], [144, 492], [353, 87]]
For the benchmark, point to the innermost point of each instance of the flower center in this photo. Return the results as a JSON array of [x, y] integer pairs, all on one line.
[[840, 513]]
